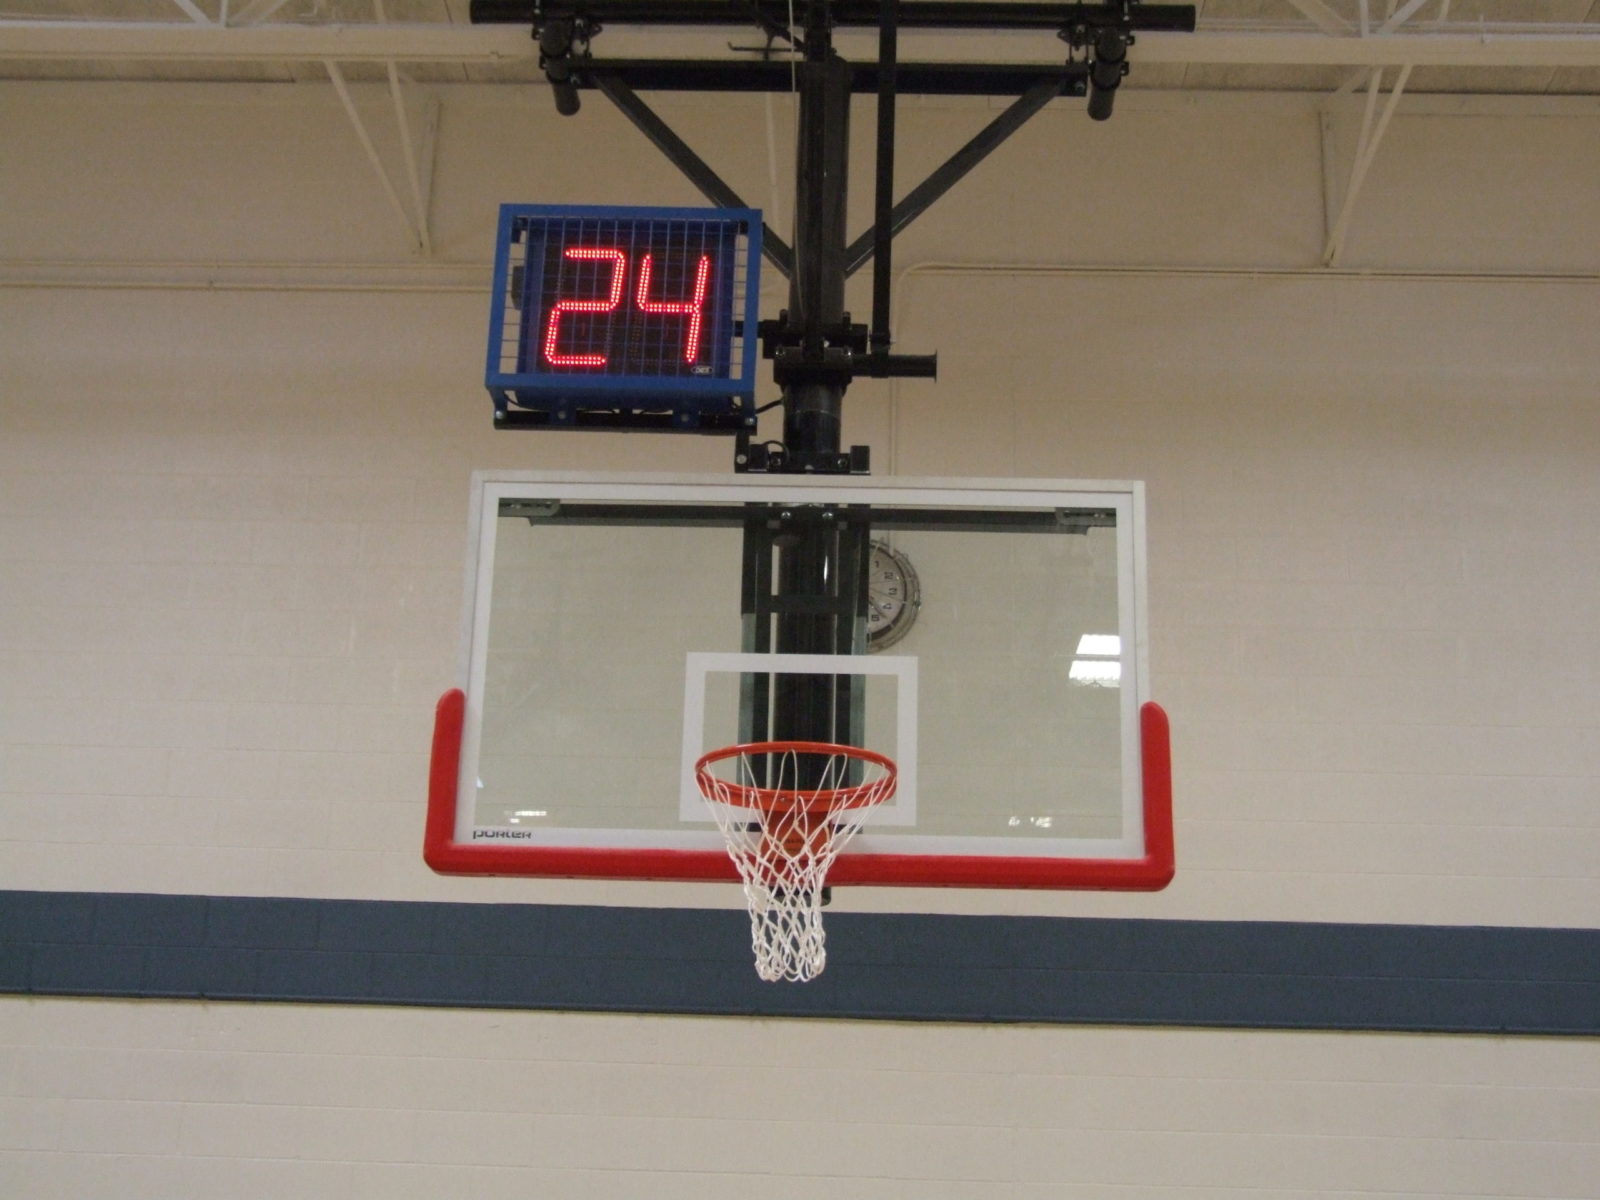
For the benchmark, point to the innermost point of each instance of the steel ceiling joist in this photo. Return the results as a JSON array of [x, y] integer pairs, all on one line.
[[255, 12], [1366, 150], [1320, 15], [193, 11], [416, 226]]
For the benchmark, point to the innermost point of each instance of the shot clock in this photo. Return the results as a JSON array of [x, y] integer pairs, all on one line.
[[640, 318]]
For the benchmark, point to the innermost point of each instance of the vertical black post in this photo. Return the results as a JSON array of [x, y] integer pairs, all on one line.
[[809, 621], [883, 204], [755, 608], [816, 289]]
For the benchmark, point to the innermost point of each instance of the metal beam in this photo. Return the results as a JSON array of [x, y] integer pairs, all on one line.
[[256, 11], [1400, 16], [773, 14], [883, 194], [1366, 151], [918, 79], [409, 153], [193, 11], [1320, 15], [712, 186], [1489, 48], [408, 147], [336, 75], [956, 167], [1438, 45]]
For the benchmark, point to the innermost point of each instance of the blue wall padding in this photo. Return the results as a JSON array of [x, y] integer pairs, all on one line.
[[1234, 974]]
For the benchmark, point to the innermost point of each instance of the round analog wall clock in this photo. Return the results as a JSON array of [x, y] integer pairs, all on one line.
[[893, 596]]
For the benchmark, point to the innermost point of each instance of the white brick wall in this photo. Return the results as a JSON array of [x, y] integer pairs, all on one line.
[[1370, 613], [231, 530], [128, 1100]]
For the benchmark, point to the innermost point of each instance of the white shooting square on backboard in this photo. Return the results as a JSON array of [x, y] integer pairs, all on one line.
[[902, 669]]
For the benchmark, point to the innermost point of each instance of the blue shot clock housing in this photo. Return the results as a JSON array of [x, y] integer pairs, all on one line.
[[625, 318]]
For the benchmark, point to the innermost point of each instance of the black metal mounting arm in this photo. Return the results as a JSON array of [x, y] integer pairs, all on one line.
[[1104, 43], [1106, 69], [839, 354], [1099, 34], [816, 350], [695, 168], [563, 42], [914, 14]]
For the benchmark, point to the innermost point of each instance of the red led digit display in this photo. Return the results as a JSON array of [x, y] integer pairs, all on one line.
[[692, 307], [648, 299], [552, 332]]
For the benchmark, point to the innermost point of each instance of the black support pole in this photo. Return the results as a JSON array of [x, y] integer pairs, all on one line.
[[816, 289], [883, 202], [807, 707]]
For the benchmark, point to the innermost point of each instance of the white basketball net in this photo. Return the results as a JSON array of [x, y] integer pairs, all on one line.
[[784, 838]]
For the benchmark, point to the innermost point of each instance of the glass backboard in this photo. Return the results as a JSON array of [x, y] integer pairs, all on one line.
[[987, 635]]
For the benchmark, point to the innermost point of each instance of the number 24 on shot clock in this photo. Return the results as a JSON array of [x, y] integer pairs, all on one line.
[[596, 307]]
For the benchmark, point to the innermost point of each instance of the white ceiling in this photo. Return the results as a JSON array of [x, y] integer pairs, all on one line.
[[1472, 47]]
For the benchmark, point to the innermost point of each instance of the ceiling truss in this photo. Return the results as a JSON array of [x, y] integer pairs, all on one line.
[[416, 157], [1391, 43], [1366, 150]]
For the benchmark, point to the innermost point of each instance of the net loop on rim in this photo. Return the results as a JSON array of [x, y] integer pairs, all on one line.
[[785, 815]]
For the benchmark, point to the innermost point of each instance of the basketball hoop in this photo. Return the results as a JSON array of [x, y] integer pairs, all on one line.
[[804, 808]]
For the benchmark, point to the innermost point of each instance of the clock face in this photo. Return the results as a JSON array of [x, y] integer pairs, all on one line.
[[894, 596]]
